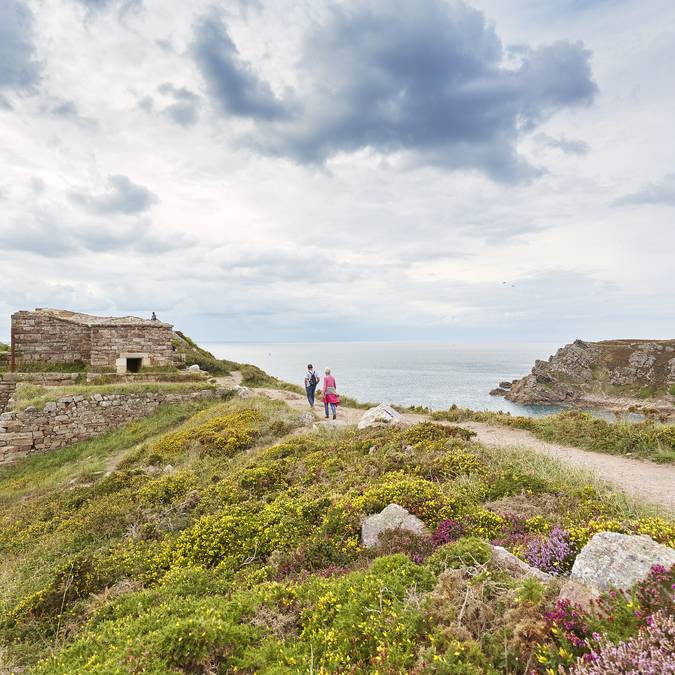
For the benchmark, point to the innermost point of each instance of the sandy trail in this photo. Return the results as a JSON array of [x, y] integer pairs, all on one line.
[[647, 481]]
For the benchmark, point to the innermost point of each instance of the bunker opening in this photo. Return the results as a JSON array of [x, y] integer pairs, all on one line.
[[134, 365]]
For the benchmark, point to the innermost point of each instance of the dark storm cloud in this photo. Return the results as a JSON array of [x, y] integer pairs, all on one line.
[[232, 82], [18, 66], [660, 192], [427, 79], [570, 146], [122, 197]]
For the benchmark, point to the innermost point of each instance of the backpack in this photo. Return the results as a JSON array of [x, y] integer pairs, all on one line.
[[313, 380]]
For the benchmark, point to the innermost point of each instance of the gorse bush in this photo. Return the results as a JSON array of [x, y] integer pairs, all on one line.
[[221, 540]]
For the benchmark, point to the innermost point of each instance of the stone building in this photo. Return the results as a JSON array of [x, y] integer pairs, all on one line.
[[59, 336]]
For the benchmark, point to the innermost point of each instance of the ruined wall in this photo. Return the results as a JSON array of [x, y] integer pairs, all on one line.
[[40, 337], [76, 418], [108, 343], [6, 392]]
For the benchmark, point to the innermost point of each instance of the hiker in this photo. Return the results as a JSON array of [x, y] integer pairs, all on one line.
[[311, 380], [330, 395]]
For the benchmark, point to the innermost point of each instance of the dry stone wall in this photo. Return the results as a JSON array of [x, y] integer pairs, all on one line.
[[6, 392], [77, 418], [41, 337]]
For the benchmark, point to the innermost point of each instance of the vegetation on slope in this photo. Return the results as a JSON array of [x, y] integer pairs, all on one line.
[[648, 439], [37, 395], [196, 355], [231, 544], [4, 347]]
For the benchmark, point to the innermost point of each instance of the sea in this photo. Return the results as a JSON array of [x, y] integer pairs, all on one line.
[[431, 374]]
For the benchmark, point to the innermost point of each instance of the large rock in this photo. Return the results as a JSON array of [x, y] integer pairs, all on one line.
[[382, 415], [393, 517], [611, 559], [194, 368], [581, 371]]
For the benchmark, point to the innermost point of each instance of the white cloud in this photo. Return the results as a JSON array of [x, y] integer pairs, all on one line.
[[229, 244]]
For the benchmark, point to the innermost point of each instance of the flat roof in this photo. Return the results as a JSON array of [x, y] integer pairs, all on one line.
[[91, 320]]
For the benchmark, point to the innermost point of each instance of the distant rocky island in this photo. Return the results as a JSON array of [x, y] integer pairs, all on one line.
[[611, 374]]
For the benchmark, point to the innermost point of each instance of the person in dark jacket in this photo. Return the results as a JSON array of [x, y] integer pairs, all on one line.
[[311, 380]]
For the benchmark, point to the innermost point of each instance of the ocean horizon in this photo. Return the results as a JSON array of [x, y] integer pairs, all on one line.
[[435, 374]]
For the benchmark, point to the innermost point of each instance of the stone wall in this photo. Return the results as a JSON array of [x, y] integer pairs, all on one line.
[[40, 337], [45, 379], [109, 343], [77, 418], [6, 393]]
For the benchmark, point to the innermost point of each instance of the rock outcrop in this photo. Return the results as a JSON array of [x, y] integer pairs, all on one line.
[[614, 560], [382, 415], [392, 517], [593, 372]]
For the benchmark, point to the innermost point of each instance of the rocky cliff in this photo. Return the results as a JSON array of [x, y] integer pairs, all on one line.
[[608, 372]]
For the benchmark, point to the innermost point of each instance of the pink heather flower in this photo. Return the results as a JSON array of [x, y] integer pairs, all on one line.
[[651, 652]]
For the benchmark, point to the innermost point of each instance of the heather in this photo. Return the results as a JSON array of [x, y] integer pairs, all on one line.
[[225, 538]]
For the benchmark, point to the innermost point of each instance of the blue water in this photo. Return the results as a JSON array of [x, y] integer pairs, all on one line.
[[432, 374]]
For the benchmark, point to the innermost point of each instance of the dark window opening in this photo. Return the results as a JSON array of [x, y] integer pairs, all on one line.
[[134, 365]]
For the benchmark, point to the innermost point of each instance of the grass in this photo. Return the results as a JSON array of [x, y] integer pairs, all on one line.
[[671, 390], [36, 395], [40, 474], [647, 440], [71, 367], [4, 347], [196, 355], [222, 540]]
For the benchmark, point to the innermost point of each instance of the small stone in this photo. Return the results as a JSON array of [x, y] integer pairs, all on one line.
[[393, 517], [382, 415], [194, 368]]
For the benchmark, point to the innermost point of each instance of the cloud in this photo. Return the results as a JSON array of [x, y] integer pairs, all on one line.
[[122, 197], [123, 6], [19, 68], [185, 107], [43, 232], [659, 192], [426, 79], [570, 146], [232, 82]]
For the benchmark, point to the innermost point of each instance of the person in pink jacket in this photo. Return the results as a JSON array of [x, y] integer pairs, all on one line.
[[330, 395]]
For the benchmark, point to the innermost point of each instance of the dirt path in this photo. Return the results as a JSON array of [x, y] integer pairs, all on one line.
[[652, 483]]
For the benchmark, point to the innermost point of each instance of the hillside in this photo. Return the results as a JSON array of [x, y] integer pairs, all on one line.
[[606, 373], [226, 538]]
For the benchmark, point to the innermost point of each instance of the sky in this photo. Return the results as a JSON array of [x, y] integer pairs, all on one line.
[[301, 170]]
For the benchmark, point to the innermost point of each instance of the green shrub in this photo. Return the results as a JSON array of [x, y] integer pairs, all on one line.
[[465, 552]]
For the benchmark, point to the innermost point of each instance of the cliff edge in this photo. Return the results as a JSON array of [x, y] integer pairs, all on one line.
[[607, 373]]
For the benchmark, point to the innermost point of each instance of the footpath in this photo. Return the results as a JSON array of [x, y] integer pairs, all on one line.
[[650, 482]]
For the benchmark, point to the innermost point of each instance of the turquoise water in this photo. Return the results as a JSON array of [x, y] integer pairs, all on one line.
[[433, 374]]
